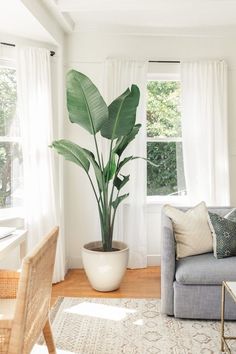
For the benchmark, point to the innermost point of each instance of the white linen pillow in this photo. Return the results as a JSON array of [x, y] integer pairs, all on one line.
[[191, 229]]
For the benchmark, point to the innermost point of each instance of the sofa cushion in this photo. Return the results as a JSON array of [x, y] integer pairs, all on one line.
[[224, 236], [205, 269], [191, 230]]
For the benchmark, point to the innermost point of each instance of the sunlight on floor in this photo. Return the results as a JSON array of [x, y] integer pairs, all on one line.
[[139, 322], [42, 349], [101, 311]]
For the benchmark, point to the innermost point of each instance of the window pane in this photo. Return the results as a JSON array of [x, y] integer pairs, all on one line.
[[10, 175], [9, 123], [168, 177], [10, 151], [163, 109]]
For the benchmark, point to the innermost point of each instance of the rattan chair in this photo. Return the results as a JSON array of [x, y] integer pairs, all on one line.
[[25, 300]]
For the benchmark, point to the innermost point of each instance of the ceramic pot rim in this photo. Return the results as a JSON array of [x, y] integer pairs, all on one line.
[[88, 247]]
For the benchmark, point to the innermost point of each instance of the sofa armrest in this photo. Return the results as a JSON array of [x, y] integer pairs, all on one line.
[[167, 265]]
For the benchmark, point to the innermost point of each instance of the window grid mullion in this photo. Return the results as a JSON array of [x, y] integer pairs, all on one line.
[[10, 139], [164, 139]]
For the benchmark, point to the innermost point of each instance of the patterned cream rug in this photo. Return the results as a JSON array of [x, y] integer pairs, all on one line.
[[129, 326]]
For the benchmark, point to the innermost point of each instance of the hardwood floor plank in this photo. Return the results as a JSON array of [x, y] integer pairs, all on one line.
[[137, 283]]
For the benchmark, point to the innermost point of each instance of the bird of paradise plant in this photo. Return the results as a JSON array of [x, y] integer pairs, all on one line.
[[116, 123]]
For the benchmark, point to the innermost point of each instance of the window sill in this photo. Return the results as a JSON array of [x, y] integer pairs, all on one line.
[[159, 201], [11, 213], [173, 200]]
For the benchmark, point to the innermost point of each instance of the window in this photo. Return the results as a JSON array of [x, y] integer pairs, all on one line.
[[10, 141], [164, 141]]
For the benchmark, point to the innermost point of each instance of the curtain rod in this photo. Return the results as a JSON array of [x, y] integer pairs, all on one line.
[[165, 61], [52, 53]]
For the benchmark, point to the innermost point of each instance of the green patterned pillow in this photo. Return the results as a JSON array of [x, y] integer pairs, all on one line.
[[224, 236]]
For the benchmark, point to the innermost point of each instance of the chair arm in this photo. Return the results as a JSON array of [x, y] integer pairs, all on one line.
[[9, 283]]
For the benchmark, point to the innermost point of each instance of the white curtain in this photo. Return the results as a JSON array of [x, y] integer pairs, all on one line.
[[41, 183], [204, 128], [130, 224]]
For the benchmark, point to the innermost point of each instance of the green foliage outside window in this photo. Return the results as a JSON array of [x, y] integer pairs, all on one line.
[[161, 179], [164, 121], [163, 109]]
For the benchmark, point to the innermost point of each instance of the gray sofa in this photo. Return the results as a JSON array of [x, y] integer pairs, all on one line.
[[191, 286]]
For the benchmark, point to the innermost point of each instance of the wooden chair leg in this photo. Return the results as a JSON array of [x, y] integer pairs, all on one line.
[[47, 333]]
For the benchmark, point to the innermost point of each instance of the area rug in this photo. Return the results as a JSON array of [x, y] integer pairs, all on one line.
[[130, 326]]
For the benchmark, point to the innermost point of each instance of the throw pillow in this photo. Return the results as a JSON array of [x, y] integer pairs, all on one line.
[[191, 230], [224, 236], [231, 215]]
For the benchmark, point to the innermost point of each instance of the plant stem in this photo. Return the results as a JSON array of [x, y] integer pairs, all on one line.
[[101, 210], [109, 159], [100, 162], [113, 216], [96, 145], [104, 210], [113, 187], [94, 190], [105, 217]]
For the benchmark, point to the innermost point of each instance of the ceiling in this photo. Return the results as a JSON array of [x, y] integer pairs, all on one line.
[[151, 16], [16, 20]]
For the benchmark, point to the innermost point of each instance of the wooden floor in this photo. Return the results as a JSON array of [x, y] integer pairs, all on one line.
[[138, 283]]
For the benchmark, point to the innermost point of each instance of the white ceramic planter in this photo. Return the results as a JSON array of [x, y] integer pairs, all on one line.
[[105, 270]]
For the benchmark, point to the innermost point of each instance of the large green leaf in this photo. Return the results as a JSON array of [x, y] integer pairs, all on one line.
[[118, 200], [130, 158], [110, 168], [123, 162], [85, 104], [119, 183], [122, 114], [97, 170], [72, 152], [124, 141]]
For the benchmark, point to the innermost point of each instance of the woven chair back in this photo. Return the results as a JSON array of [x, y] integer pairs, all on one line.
[[34, 294]]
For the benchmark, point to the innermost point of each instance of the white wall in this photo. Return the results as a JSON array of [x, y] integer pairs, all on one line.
[[87, 52]]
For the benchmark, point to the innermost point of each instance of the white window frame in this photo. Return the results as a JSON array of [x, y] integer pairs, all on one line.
[[9, 213], [162, 199]]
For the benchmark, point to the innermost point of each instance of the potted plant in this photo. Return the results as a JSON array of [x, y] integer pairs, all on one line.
[[104, 261]]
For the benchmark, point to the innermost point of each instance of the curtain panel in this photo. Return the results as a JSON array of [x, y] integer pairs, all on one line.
[[205, 131], [130, 225], [41, 183]]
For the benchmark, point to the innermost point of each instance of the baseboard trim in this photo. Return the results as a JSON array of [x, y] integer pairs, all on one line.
[[76, 262], [153, 260]]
